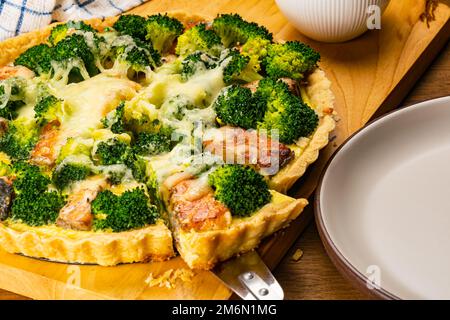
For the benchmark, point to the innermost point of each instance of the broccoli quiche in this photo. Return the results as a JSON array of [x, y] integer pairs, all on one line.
[[122, 139]]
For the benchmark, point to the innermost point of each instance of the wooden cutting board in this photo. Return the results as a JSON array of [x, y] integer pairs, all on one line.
[[370, 76]]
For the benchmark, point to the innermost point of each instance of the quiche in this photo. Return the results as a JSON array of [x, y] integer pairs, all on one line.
[[134, 138]]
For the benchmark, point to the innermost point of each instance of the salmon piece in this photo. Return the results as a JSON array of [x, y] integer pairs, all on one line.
[[76, 214], [15, 71], [196, 209], [44, 152], [250, 147]]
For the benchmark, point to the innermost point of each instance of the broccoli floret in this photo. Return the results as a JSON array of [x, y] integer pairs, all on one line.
[[137, 166], [76, 147], [29, 179], [256, 50], [238, 67], [20, 138], [11, 103], [236, 106], [37, 210], [162, 31], [291, 59], [48, 109], [131, 25], [286, 113], [62, 30], [73, 163], [151, 143], [115, 177], [74, 47], [67, 173], [112, 151], [37, 58], [138, 54], [195, 63], [233, 30], [114, 119], [198, 38], [34, 205], [130, 210], [154, 189], [240, 188]]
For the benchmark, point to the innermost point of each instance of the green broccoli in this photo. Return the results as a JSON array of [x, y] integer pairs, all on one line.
[[112, 151], [286, 113], [138, 54], [37, 210], [62, 30], [132, 25], [48, 109], [233, 30], [256, 50], [73, 163], [28, 178], [20, 138], [137, 165], [114, 119], [67, 173], [240, 188], [11, 103], [151, 143], [115, 177], [78, 147], [37, 58], [238, 68], [75, 47], [291, 59], [236, 106], [34, 204], [198, 38], [130, 210], [197, 62], [162, 31], [154, 189]]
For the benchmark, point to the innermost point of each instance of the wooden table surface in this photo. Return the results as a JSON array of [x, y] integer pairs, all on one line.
[[314, 276]]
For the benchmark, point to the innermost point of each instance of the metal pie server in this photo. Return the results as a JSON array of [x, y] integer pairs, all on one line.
[[249, 277]]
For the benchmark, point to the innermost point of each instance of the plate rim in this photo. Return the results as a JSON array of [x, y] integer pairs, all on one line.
[[344, 266]]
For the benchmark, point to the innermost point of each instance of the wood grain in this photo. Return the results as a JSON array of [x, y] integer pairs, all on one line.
[[370, 72]]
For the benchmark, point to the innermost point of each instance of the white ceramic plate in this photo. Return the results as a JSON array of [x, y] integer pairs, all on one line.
[[383, 204]]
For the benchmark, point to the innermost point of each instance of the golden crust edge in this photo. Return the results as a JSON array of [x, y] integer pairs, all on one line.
[[150, 243], [322, 97], [202, 250]]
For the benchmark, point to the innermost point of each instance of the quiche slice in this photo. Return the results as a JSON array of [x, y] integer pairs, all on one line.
[[120, 136]]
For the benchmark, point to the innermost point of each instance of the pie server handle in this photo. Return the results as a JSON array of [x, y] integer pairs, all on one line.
[[249, 277]]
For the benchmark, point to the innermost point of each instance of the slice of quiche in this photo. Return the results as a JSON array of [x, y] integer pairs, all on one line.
[[120, 136]]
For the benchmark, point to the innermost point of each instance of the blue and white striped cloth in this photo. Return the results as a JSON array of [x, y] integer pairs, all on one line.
[[19, 16]]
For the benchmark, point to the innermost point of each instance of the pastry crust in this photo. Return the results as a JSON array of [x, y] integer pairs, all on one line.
[[202, 250], [153, 242]]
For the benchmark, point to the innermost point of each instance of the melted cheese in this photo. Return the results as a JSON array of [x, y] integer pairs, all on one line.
[[92, 99]]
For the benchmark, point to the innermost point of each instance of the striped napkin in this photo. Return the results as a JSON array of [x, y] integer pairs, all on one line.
[[19, 16]]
